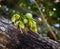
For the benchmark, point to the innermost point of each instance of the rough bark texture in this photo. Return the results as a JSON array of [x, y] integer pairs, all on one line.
[[12, 38]]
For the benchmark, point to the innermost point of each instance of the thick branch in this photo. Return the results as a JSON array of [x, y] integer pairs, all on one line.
[[30, 40]]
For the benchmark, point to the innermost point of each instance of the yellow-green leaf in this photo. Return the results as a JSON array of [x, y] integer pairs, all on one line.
[[21, 24], [34, 29], [15, 17], [17, 23], [34, 23], [30, 23], [29, 15]]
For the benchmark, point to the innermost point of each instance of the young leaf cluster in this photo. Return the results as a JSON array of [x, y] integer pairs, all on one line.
[[25, 21]]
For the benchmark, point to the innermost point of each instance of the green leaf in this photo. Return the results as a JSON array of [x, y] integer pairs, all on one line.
[[29, 15], [25, 21], [58, 36], [51, 13]]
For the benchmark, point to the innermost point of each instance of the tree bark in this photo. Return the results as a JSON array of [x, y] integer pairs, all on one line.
[[12, 38]]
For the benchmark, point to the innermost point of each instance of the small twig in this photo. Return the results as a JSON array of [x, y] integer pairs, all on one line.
[[42, 15], [21, 30]]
